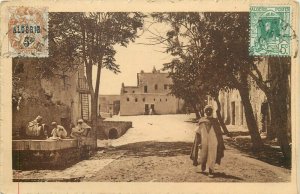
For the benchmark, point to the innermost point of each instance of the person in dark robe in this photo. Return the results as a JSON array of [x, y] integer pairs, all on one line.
[[209, 139]]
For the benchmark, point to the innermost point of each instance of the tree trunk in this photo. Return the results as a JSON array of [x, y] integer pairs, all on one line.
[[89, 78], [279, 70], [278, 123], [196, 111], [257, 143], [221, 121]]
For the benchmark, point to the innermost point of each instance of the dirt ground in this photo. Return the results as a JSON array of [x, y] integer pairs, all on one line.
[[169, 162], [155, 151]]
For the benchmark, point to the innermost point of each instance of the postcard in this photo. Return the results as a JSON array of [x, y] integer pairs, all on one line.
[[138, 97]]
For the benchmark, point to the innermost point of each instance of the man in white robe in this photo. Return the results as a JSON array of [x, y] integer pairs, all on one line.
[[211, 141]]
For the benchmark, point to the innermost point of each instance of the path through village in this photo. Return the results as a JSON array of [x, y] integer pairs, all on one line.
[[157, 149]]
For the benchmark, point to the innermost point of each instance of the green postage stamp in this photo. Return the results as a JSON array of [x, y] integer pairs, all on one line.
[[270, 31]]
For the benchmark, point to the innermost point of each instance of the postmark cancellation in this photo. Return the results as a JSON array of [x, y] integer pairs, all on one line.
[[28, 31], [270, 31]]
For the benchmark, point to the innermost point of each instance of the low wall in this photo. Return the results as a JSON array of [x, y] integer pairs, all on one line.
[[47, 154], [112, 129]]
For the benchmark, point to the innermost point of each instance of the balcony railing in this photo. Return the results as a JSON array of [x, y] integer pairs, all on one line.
[[83, 85]]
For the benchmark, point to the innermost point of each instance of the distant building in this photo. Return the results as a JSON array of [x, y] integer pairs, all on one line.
[[232, 109], [150, 96], [60, 98], [109, 105]]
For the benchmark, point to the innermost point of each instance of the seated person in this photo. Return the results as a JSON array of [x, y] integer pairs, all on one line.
[[81, 129], [58, 131], [35, 129]]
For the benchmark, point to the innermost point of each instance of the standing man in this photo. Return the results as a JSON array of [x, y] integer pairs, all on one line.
[[209, 139]]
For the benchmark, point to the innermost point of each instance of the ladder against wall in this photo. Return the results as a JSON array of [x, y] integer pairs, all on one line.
[[85, 112]]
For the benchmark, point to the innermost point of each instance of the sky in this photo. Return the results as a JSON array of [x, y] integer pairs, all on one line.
[[134, 58]]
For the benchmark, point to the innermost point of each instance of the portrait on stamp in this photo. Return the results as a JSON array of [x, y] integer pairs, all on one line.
[[270, 31]]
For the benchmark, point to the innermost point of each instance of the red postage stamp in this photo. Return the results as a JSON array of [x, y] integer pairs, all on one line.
[[28, 31]]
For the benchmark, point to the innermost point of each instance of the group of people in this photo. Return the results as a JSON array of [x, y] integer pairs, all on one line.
[[208, 148], [37, 130]]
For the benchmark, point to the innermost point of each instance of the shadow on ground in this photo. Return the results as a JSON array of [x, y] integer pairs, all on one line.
[[223, 175], [270, 154], [152, 148]]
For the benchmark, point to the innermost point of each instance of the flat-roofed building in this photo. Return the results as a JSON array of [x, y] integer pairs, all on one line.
[[150, 96]]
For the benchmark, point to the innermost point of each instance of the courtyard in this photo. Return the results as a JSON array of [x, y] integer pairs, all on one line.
[[157, 148]]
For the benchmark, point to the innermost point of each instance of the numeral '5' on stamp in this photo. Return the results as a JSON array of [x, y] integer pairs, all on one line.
[[28, 32], [270, 31]]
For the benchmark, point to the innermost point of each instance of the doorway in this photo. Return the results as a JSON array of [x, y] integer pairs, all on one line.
[[146, 109]]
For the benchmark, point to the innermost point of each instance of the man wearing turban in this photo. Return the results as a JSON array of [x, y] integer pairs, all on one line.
[[209, 138]]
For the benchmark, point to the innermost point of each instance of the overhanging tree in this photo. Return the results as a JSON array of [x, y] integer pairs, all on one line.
[[185, 84], [217, 40], [99, 33], [89, 38]]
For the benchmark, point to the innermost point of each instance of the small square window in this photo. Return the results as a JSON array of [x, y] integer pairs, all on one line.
[[127, 99], [156, 87], [165, 86], [144, 99], [136, 99], [133, 91]]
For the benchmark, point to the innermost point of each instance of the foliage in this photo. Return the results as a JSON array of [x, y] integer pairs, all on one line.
[[216, 46]]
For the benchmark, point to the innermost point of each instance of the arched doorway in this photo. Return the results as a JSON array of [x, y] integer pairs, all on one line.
[[113, 134]]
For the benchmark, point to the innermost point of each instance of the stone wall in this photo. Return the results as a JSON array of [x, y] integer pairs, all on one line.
[[134, 104], [48, 154], [112, 129], [232, 109], [55, 99]]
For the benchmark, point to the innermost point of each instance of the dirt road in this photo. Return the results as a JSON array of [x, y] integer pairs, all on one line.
[[152, 151]]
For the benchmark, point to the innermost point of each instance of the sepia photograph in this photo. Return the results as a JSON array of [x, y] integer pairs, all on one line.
[[154, 97], [149, 97]]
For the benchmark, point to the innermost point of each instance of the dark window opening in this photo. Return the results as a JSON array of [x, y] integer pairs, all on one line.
[[127, 99], [133, 91], [166, 99], [144, 99], [156, 87], [165, 86], [136, 99], [154, 99], [145, 89], [125, 91]]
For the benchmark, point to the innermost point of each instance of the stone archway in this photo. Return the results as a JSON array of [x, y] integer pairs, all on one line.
[[113, 133]]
